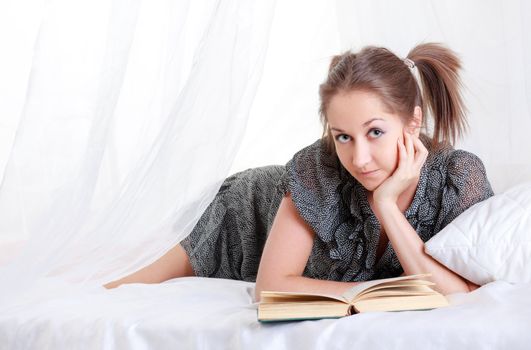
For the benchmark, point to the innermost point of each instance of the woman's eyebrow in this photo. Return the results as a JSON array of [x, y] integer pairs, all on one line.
[[364, 124], [336, 129], [371, 120]]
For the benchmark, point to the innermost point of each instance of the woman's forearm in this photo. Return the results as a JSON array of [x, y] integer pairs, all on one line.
[[303, 284], [410, 251], [175, 263]]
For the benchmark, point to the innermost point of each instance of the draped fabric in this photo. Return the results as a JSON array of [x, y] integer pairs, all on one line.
[[132, 115], [120, 119]]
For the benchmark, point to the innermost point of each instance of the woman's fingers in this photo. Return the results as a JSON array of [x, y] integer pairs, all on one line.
[[409, 145], [413, 154], [402, 154], [421, 153], [408, 160]]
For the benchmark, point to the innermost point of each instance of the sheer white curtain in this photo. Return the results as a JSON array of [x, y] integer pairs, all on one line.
[[130, 118]]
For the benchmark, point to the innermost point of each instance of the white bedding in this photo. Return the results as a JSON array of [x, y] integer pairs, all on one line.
[[189, 313]]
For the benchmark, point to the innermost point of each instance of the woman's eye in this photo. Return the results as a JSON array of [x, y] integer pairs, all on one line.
[[375, 133], [342, 138]]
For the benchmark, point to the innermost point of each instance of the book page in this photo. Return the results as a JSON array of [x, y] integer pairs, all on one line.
[[404, 286], [267, 296], [351, 294], [392, 292]]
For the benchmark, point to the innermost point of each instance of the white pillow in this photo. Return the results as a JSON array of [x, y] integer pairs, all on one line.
[[489, 241]]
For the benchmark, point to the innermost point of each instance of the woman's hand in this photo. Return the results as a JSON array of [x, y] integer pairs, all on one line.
[[411, 157]]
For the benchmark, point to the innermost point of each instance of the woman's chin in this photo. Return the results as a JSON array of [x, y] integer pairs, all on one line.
[[370, 188], [370, 185], [371, 181]]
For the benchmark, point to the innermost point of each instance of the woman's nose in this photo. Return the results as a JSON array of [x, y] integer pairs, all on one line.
[[361, 155]]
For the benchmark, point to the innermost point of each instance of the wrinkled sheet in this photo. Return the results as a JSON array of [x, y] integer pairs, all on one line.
[[194, 312]]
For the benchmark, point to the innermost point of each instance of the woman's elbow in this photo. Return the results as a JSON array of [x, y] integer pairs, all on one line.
[[463, 287], [257, 290], [276, 283], [260, 286], [471, 286]]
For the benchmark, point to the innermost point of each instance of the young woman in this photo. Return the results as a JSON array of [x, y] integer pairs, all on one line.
[[359, 203]]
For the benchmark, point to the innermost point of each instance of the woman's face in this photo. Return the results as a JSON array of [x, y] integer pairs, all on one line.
[[365, 136]]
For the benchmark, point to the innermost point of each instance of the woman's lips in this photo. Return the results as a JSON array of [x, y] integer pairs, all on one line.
[[369, 173]]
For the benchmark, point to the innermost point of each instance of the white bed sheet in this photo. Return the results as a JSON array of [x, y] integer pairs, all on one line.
[[193, 312]]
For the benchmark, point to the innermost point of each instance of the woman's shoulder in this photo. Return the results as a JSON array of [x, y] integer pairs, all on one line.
[[461, 177], [453, 180], [313, 177], [460, 160], [446, 158], [458, 166], [316, 153], [313, 168], [455, 173]]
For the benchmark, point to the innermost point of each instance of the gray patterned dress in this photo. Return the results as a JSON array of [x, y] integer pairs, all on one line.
[[227, 241]]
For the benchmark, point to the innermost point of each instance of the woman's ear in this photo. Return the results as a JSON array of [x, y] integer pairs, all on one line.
[[416, 121]]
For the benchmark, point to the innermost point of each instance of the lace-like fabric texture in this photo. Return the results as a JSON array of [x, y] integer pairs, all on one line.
[[228, 240]]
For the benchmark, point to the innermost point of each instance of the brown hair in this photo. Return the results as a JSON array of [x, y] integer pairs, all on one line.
[[377, 70]]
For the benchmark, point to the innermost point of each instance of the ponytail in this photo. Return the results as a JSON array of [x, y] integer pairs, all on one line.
[[438, 69]]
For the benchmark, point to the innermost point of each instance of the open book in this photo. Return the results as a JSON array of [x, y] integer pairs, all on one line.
[[390, 294]]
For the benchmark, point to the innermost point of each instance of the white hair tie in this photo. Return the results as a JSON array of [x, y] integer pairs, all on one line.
[[409, 63]]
